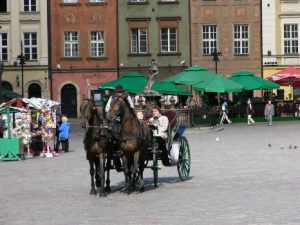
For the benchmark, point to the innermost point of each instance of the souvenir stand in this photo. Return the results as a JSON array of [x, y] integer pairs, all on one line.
[[11, 146], [35, 127], [43, 124]]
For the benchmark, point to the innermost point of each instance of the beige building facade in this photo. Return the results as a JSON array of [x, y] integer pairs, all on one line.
[[281, 40], [25, 23]]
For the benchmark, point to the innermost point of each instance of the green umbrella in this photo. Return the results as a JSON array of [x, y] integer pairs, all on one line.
[[169, 88], [10, 94], [252, 82], [132, 82], [219, 84], [192, 75]]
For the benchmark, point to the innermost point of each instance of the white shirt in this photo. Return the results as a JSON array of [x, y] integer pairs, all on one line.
[[162, 123]]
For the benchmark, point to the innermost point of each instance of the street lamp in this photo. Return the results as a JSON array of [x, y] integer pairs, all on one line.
[[216, 55], [1, 71], [18, 80], [22, 59]]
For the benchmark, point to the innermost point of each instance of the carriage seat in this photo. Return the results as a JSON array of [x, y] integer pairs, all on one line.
[[172, 117]]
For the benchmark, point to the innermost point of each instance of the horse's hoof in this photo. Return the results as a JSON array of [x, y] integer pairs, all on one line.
[[142, 189], [108, 189], [102, 194], [93, 192]]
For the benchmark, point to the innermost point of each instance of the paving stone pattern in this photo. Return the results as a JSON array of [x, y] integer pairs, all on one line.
[[240, 175]]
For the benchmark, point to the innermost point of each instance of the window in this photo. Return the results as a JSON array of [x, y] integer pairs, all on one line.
[[290, 38], [3, 46], [71, 44], [137, 0], [3, 6], [30, 45], [168, 38], [241, 39], [97, 44], [139, 40], [70, 1], [29, 5], [96, 0], [209, 39]]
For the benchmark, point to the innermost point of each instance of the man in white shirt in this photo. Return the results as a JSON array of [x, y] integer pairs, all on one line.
[[119, 92], [224, 112]]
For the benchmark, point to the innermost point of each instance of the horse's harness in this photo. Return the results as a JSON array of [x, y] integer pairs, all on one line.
[[122, 138], [101, 127]]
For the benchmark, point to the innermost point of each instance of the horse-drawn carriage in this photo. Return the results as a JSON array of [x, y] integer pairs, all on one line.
[[133, 143]]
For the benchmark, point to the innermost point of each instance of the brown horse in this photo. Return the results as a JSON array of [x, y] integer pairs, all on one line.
[[95, 144], [133, 139]]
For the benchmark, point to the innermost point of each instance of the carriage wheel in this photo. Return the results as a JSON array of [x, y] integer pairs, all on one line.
[[184, 161], [155, 166]]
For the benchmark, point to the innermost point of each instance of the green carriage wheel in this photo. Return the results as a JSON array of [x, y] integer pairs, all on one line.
[[184, 160]]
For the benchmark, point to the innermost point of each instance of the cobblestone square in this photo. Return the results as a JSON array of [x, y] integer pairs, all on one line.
[[239, 175]]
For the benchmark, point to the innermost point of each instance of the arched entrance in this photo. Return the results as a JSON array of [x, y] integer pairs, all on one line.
[[7, 86], [34, 90], [69, 101]]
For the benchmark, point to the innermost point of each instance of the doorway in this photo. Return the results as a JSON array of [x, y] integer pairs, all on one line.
[[69, 101]]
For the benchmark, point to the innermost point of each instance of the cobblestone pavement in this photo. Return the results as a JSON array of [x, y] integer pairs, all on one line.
[[236, 178]]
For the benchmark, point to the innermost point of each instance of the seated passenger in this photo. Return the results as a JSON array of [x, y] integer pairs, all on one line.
[[140, 115], [160, 124]]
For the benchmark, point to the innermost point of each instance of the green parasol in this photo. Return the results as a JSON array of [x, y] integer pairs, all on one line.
[[252, 82]]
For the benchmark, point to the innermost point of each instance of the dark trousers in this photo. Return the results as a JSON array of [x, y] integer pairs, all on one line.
[[65, 145], [57, 144], [164, 153]]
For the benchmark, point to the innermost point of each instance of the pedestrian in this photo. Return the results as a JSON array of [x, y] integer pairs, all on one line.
[[160, 124], [224, 112], [64, 134], [249, 111], [57, 144], [269, 112], [212, 116]]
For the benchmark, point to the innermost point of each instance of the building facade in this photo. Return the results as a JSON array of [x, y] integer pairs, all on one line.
[[232, 30], [281, 40], [24, 23], [83, 50], [156, 30]]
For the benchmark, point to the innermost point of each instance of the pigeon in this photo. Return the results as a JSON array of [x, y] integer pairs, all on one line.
[[290, 146], [269, 145], [295, 147], [281, 146]]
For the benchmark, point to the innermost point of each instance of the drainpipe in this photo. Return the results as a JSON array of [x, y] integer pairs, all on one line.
[[190, 33], [261, 44], [49, 47], [118, 47]]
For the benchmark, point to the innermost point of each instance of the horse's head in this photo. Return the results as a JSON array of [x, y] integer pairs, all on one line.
[[116, 109], [87, 108]]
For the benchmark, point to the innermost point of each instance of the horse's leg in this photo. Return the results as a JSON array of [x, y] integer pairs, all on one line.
[[97, 173], [126, 173], [108, 166], [92, 173], [135, 169], [102, 174], [141, 176]]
